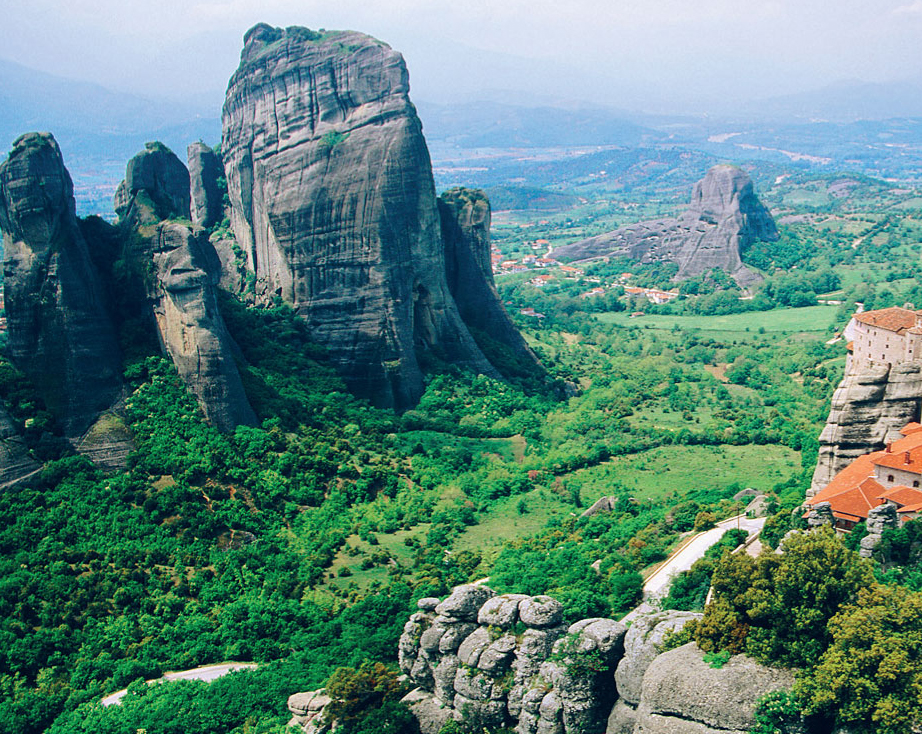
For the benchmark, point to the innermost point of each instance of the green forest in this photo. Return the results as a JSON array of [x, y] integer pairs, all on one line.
[[303, 544]]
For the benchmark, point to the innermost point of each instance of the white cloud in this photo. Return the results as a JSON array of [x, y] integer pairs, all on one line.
[[914, 8]]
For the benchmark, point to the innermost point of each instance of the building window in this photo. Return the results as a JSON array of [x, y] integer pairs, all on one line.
[[890, 478], [915, 482]]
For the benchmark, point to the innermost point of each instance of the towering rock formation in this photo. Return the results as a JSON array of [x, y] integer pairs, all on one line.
[[156, 177], [204, 171], [60, 332], [334, 204], [724, 216], [869, 407], [179, 271], [465, 215]]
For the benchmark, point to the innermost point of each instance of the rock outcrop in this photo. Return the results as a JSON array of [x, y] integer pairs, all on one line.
[[499, 660], [465, 216], [869, 407], [156, 178], [880, 519], [60, 332], [189, 322], [684, 695], [643, 642], [180, 273], [723, 218], [334, 204], [204, 171], [488, 661], [307, 711]]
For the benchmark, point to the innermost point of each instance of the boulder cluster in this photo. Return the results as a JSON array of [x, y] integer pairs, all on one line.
[[492, 660]]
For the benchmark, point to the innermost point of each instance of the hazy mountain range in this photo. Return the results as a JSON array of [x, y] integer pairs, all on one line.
[[872, 128]]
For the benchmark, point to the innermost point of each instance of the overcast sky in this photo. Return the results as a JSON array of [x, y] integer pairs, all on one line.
[[638, 54]]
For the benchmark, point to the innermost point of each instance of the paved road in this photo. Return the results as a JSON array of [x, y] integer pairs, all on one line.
[[205, 673], [682, 560]]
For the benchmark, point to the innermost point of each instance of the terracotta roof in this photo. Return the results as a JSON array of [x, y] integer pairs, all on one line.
[[849, 478], [850, 346], [902, 495], [909, 460], [907, 443], [911, 428], [855, 503], [910, 508], [892, 319]]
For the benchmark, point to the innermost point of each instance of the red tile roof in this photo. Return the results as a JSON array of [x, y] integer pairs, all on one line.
[[909, 460], [847, 479], [902, 495], [911, 428], [910, 508], [892, 319]]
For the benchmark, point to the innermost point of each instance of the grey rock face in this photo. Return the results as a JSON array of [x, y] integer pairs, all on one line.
[[820, 514], [681, 687], [181, 293], [541, 611], [334, 204], [869, 407], [642, 644], [881, 518], [192, 328], [465, 217], [498, 677], [465, 601], [204, 171], [501, 611], [60, 334], [162, 177], [724, 216]]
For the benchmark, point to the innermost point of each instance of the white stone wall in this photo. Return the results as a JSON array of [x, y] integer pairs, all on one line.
[[881, 346], [900, 477]]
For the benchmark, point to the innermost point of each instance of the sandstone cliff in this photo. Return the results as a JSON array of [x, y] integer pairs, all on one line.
[[723, 217], [465, 216], [60, 333], [158, 177], [204, 171], [178, 271], [333, 202], [869, 407]]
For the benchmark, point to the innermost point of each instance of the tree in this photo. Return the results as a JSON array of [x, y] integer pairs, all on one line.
[[870, 678], [781, 604]]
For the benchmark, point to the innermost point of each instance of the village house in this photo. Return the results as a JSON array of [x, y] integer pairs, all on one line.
[[885, 337], [892, 476], [654, 295]]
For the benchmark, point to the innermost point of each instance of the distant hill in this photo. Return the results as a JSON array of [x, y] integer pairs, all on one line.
[[98, 129], [845, 101], [495, 125]]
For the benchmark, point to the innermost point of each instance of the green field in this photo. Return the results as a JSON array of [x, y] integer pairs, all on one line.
[[811, 318], [506, 521], [660, 472]]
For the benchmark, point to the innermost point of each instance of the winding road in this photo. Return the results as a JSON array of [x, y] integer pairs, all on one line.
[[682, 559], [205, 673]]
